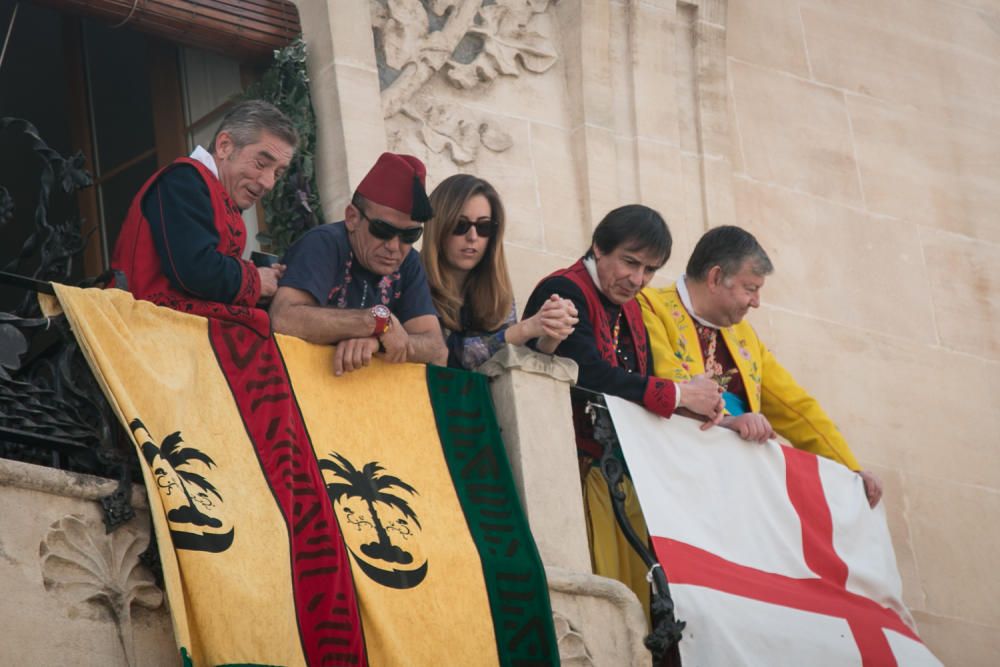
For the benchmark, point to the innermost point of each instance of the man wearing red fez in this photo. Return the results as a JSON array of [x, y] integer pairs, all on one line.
[[356, 283]]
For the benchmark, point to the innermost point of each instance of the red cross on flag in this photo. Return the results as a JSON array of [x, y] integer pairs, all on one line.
[[772, 554]]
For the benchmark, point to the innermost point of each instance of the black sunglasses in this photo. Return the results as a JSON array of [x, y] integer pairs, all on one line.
[[383, 231], [484, 227]]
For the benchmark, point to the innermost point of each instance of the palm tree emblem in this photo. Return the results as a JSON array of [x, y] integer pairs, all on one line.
[[375, 488], [172, 464]]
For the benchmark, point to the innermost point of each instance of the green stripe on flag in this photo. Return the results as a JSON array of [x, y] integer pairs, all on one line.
[[512, 569]]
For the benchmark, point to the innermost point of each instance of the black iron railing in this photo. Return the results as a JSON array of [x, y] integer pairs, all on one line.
[[666, 631]]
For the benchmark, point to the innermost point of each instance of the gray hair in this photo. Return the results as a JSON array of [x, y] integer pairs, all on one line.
[[727, 247], [245, 121]]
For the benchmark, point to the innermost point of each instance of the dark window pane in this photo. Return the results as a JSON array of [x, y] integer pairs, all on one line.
[[119, 92]]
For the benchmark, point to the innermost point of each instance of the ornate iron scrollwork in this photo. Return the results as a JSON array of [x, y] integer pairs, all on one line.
[[662, 641], [52, 411]]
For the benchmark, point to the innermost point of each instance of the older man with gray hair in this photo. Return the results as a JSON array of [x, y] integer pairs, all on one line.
[[697, 326], [182, 241]]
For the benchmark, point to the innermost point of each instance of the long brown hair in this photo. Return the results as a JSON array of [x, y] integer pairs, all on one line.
[[488, 293]]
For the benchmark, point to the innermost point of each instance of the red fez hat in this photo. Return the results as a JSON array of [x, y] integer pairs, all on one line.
[[397, 181]]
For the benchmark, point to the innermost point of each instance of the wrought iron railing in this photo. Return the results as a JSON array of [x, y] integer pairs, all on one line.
[[52, 411], [666, 631]]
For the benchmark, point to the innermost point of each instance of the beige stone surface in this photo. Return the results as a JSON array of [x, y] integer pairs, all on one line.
[[857, 138], [605, 616], [529, 265], [542, 461], [560, 177], [922, 171], [50, 625], [653, 46], [784, 49], [957, 642], [891, 397], [839, 264], [956, 556], [795, 133], [902, 68], [897, 514], [964, 278], [949, 23]]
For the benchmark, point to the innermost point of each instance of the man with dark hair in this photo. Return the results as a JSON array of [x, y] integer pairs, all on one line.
[[609, 344], [724, 277], [358, 283], [181, 244]]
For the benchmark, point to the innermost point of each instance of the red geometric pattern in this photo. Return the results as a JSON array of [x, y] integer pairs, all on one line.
[[828, 595], [325, 602]]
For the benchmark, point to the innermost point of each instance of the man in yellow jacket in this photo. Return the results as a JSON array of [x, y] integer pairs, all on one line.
[[697, 326]]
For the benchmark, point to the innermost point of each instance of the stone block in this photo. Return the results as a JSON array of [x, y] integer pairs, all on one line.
[[654, 53], [783, 48], [712, 96], [964, 278], [926, 171], [349, 135], [528, 266], [903, 69], [543, 461], [659, 181], [955, 553], [962, 28], [795, 133], [827, 259], [957, 642], [892, 398], [560, 171], [897, 518], [54, 553], [598, 621]]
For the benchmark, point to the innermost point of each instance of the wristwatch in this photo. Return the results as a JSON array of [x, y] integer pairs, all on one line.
[[383, 320]]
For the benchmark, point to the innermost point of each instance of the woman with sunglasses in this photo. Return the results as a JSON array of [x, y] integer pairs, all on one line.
[[464, 261]]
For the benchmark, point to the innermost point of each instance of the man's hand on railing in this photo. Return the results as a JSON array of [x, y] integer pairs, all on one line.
[[751, 426]]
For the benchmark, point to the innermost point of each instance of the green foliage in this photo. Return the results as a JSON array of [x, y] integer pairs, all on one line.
[[293, 207]]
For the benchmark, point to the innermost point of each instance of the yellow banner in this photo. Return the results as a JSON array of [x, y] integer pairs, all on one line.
[[423, 598], [236, 604]]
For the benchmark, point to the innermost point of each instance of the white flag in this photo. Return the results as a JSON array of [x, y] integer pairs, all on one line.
[[773, 554]]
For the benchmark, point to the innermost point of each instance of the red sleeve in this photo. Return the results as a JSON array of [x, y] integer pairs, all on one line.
[[249, 292], [660, 396]]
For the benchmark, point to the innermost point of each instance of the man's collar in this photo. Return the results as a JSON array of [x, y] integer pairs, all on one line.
[[590, 264], [203, 156], [682, 292]]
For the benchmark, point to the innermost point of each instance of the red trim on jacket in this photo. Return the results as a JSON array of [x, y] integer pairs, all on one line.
[[135, 255]]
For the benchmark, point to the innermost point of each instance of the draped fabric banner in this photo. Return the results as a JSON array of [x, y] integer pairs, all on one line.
[[306, 519], [772, 554]]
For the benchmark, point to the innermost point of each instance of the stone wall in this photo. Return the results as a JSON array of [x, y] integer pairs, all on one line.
[[856, 138], [70, 588], [866, 157]]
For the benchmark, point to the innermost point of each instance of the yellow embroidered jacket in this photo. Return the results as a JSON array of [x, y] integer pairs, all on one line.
[[771, 389]]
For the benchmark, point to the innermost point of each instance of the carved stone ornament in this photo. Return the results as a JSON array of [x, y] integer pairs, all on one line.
[[84, 565], [572, 648], [469, 43]]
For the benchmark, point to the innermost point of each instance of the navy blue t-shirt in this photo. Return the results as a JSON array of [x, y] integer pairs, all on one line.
[[322, 264]]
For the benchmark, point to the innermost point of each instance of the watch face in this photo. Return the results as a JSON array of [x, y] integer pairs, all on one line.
[[380, 311]]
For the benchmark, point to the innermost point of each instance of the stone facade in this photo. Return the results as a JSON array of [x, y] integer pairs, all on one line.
[[70, 588], [856, 138]]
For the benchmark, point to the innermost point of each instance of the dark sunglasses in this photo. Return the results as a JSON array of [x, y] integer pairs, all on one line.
[[383, 231], [484, 228]]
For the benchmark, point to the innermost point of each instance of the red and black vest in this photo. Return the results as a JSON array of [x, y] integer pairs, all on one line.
[[135, 255], [659, 396]]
